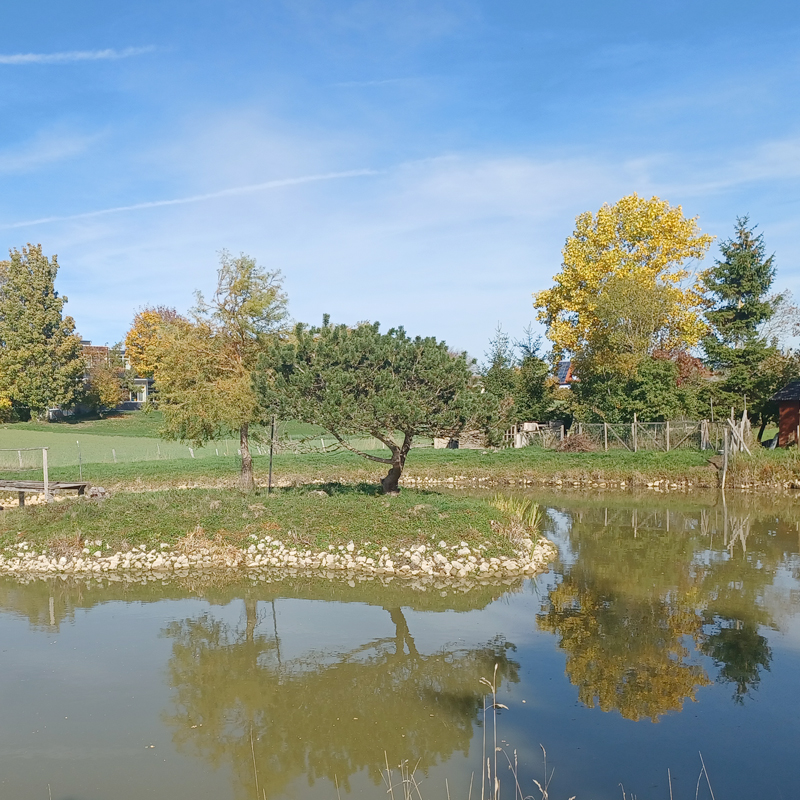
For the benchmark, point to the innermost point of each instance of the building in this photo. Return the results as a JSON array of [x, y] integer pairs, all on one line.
[[564, 374], [98, 355], [788, 400]]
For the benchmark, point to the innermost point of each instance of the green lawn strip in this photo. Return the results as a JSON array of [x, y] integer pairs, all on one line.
[[138, 423], [503, 466], [299, 517], [120, 423]]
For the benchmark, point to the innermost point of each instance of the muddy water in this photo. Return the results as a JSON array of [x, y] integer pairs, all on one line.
[[668, 627]]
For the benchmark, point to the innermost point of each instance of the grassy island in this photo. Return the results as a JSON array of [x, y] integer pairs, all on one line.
[[315, 526]]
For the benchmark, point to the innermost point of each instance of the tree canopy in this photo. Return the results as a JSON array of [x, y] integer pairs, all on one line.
[[361, 381], [205, 370], [643, 246], [518, 377], [739, 283], [751, 366], [143, 340], [41, 361]]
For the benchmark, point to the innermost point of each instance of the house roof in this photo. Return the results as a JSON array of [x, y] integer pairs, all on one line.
[[562, 371], [789, 392]]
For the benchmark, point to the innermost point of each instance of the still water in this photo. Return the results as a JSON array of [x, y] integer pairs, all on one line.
[[668, 628]]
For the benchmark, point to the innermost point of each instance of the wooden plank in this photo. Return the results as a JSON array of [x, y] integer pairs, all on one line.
[[39, 486]]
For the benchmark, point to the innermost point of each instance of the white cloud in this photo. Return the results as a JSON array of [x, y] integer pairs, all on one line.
[[197, 198], [46, 148], [72, 56], [447, 246]]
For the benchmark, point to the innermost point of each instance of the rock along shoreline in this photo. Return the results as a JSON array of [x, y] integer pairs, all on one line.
[[267, 554]]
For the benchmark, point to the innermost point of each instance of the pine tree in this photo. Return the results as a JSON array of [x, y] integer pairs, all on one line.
[[740, 283], [752, 369], [41, 362]]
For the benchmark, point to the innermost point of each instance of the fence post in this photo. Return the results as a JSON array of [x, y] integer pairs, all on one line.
[[724, 458], [46, 476], [605, 436], [562, 433], [271, 447], [668, 436], [635, 432]]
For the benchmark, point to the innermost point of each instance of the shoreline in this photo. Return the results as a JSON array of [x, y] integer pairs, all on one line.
[[268, 554]]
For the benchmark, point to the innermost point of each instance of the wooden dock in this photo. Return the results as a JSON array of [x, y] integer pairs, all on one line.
[[40, 487]]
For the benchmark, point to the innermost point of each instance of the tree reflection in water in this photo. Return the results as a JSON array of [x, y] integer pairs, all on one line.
[[638, 595], [326, 715]]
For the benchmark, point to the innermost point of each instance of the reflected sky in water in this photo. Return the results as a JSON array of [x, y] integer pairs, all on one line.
[[669, 626]]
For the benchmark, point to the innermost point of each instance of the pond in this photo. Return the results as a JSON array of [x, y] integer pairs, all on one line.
[[669, 628]]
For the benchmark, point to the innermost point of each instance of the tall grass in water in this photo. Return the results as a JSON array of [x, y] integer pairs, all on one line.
[[404, 785], [523, 508]]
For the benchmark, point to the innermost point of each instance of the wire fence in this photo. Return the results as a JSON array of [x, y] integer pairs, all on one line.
[[633, 436], [21, 450]]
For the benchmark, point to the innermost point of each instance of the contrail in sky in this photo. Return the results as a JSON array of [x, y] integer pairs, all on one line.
[[197, 198], [72, 56]]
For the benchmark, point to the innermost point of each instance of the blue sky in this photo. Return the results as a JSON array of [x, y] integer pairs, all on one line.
[[416, 163]]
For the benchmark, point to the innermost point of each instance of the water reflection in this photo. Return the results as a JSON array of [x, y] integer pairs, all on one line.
[[238, 701], [644, 592]]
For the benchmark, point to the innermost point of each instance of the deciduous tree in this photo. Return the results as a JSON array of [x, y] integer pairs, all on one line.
[[646, 244], [205, 369], [143, 343], [41, 364], [108, 382]]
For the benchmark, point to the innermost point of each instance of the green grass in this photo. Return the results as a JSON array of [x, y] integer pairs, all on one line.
[[133, 423], [299, 517], [143, 460], [505, 466], [119, 423]]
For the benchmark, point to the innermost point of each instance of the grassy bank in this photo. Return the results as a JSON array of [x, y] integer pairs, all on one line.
[[310, 517], [504, 466], [145, 462]]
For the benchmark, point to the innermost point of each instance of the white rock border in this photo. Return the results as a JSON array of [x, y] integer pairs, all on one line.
[[268, 554]]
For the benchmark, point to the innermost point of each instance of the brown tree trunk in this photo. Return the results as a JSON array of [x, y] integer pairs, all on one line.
[[246, 481], [389, 484]]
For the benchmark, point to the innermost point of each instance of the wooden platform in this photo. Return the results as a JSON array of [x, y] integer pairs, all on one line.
[[38, 487]]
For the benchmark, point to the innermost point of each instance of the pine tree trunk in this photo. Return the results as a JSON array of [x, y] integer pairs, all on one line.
[[390, 482], [246, 481]]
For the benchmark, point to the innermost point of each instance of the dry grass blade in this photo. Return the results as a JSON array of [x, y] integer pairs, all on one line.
[[708, 780]]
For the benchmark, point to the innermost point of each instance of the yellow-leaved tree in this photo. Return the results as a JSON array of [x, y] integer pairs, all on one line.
[[626, 288], [143, 342]]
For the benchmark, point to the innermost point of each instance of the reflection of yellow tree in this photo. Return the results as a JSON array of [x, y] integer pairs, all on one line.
[[326, 715], [625, 653]]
